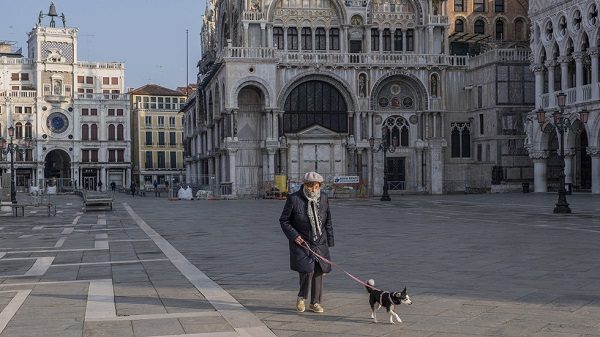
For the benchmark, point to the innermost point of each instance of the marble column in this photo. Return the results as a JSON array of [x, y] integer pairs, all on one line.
[[430, 40], [539, 170], [569, 154], [551, 65], [594, 52], [246, 41], [594, 152], [357, 131], [564, 72], [232, 165], [538, 70], [263, 34]]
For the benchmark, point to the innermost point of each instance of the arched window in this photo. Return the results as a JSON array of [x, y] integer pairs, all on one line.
[[306, 38], [19, 130], [398, 40], [94, 132], [459, 26], [520, 30], [120, 132], [292, 38], [479, 27], [28, 130], [85, 132], [320, 39], [395, 131], [278, 38], [459, 5], [315, 102], [374, 39], [499, 30], [410, 40], [111, 132], [334, 39], [433, 85], [461, 140], [387, 40]]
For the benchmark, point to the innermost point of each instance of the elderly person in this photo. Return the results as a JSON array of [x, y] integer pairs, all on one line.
[[306, 220]]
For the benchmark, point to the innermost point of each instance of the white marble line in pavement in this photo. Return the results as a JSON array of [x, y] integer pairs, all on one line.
[[76, 220], [60, 242], [101, 236], [241, 319], [2, 254], [53, 250], [107, 262], [67, 231], [101, 244], [100, 306], [39, 268], [101, 300], [13, 306], [206, 334], [37, 228]]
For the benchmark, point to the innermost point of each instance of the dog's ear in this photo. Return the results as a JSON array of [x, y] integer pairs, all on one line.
[[404, 291]]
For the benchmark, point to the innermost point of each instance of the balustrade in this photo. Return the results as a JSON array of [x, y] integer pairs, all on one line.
[[254, 16], [438, 19], [19, 93]]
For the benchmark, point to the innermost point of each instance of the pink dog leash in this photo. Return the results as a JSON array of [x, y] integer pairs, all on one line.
[[340, 268]]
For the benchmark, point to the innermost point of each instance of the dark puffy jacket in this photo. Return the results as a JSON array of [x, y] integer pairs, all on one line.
[[294, 221]]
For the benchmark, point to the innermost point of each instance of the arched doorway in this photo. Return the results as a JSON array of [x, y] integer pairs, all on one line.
[[250, 132], [57, 171], [315, 122], [583, 178], [57, 165]]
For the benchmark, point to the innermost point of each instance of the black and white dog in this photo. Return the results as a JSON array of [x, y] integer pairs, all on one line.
[[386, 299]]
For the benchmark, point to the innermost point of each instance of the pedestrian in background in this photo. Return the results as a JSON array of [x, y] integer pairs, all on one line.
[[132, 188], [306, 220]]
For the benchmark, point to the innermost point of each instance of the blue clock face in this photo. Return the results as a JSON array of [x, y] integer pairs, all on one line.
[[57, 122]]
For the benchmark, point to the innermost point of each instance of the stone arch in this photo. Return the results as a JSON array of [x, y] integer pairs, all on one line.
[[339, 6], [259, 83], [580, 38], [330, 78], [411, 80], [417, 6], [57, 163], [521, 34]]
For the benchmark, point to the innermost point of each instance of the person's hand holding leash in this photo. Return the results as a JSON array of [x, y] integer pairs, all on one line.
[[299, 240]]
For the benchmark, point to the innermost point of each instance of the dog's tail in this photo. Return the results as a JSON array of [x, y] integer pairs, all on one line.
[[370, 282]]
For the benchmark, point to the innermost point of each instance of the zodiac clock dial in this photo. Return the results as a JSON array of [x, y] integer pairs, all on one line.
[[57, 122]]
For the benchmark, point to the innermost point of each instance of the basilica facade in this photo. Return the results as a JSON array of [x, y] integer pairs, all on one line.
[[564, 43], [289, 86], [70, 117]]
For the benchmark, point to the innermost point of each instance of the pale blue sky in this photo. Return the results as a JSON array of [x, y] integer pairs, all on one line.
[[148, 35]]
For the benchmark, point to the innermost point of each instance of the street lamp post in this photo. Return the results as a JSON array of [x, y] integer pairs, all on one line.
[[385, 147], [562, 124], [6, 149]]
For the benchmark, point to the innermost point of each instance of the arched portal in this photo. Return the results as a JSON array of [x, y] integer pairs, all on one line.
[[249, 127], [315, 123], [57, 165]]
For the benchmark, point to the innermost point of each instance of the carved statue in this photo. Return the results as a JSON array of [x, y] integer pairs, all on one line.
[[64, 19], [362, 85], [255, 6], [57, 88], [40, 17]]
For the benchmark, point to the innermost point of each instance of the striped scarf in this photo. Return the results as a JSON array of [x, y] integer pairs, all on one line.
[[313, 213]]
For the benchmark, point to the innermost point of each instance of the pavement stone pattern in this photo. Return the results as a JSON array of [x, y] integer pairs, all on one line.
[[474, 265]]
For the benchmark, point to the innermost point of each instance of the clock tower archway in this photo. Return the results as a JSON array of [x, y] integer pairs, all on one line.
[[57, 165]]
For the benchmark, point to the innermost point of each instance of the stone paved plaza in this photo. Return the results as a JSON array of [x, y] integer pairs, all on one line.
[[474, 265]]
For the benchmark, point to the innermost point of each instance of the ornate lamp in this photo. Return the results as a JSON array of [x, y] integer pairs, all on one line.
[[561, 99]]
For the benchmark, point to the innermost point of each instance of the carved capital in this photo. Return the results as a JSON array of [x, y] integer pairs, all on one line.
[[538, 154], [570, 152], [551, 63], [564, 59], [593, 51], [536, 67], [593, 151], [578, 56]]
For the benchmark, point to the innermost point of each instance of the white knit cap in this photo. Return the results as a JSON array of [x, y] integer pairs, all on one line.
[[313, 177]]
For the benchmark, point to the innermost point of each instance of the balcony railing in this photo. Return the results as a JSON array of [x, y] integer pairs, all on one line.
[[19, 93], [101, 65], [15, 60], [244, 53], [500, 55], [438, 19], [586, 93], [254, 16], [103, 96]]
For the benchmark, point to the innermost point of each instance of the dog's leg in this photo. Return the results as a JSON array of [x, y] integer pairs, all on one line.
[[396, 315], [391, 316]]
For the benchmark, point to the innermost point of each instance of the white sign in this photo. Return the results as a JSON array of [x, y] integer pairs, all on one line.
[[346, 180]]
